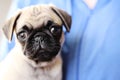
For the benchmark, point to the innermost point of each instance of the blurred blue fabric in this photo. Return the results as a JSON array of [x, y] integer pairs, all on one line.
[[92, 48]]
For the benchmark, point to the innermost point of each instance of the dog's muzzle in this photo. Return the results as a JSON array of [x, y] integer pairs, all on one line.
[[41, 46]]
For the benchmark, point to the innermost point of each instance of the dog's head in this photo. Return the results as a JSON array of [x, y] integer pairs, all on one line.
[[39, 31]]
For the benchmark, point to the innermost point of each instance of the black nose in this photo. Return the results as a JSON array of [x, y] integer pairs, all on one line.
[[39, 41]]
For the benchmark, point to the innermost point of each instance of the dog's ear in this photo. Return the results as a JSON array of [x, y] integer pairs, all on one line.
[[64, 16], [8, 27]]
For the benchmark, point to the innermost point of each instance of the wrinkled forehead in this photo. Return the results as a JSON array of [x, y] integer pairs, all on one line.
[[37, 16]]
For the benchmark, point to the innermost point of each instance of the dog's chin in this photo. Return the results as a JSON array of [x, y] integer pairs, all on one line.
[[41, 56]]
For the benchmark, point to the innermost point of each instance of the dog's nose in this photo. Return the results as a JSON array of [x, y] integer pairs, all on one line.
[[39, 41]]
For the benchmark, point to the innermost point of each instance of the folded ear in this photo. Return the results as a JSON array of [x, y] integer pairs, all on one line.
[[64, 16], [9, 26]]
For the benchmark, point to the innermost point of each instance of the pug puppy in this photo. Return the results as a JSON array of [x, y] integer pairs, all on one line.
[[39, 38]]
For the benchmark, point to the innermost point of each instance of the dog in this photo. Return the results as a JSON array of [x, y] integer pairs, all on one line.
[[39, 37]]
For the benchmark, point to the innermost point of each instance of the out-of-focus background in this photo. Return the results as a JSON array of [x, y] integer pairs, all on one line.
[[4, 9]]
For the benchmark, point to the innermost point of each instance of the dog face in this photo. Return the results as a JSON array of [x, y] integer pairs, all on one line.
[[39, 31], [42, 43]]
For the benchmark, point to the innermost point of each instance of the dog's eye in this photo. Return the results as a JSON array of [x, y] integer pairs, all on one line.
[[22, 35], [55, 30]]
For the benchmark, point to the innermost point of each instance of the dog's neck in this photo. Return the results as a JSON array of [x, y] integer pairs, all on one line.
[[21, 65]]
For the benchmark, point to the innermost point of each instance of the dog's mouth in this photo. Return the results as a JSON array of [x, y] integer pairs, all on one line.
[[42, 55]]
